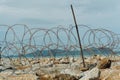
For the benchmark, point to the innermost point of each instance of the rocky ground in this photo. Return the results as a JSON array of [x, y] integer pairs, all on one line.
[[67, 68]]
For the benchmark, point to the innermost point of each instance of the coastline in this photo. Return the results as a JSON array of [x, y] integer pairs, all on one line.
[[51, 67]]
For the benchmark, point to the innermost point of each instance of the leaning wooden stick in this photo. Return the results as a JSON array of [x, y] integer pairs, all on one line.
[[78, 36]]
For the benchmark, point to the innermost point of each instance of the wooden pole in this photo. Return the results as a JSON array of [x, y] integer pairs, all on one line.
[[78, 36]]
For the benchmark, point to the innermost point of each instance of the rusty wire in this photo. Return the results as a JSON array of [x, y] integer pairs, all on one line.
[[58, 37], [29, 40]]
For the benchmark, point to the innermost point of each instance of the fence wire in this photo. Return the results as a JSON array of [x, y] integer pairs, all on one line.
[[20, 40]]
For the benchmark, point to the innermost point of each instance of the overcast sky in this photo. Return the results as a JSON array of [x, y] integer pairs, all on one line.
[[51, 13]]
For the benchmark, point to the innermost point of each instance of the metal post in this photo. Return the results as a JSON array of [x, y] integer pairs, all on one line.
[[0, 54], [78, 35]]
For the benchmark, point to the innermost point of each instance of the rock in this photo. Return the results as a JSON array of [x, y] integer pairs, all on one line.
[[65, 60], [22, 67], [2, 68], [116, 67], [104, 63], [115, 63], [39, 73], [75, 65], [57, 77], [47, 65], [72, 60], [52, 59], [62, 66], [84, 69], [22, 77], [73, 72], [45, 77], [7, 72], [18, 72], [91, 66], [2, 78], [56, 62], [91, 60], [93, 74], [64, 77], [35, 66], [110, 74], [114, 76], [6, 67]]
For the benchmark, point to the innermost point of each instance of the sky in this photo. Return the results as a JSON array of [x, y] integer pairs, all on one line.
[[51, 13]]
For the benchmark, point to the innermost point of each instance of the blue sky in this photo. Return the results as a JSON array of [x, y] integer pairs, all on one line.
[[51, 13]]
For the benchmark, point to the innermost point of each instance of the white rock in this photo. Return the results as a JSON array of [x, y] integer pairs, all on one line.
[[2, 68], [7, 72], [2, 78], [75, 65], [19, 72], [93, 74], [72, 59], [35, 66], [71, 72]]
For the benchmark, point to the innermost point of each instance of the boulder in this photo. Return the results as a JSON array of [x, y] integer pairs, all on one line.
[[45, 77], [73, 72], [116, 67], [75, 65], [84, 69], [91, 66], [110, 74], [93, 74], [8, 72], [115, 63], [22, 77], [72, 59], [57, 77], [65, 60], [104, 63], [2, 78], [64, 77]]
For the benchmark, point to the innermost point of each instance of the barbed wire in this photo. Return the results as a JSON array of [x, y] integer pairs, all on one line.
[[58, 37], [58, 40]]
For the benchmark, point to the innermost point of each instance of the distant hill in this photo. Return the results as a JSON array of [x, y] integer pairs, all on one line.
[[61, 53]]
